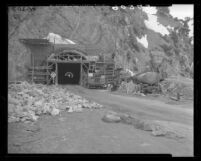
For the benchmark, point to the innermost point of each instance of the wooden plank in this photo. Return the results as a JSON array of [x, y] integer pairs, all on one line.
[[56, 73], [32, 69], [40, 74], [81, 74], [39, 79], [86, 66], [39, 68], [59, 61], [109, 69], [46, 71]]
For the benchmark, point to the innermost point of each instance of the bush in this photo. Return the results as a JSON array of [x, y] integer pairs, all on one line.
[[168, 49], [163, 11]]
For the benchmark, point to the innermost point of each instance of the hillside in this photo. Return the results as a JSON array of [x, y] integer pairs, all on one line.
[[134, 38]]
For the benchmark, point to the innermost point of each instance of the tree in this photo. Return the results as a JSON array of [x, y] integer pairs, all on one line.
[[113, 55], [184, 30], [128, 56], [164, 11]]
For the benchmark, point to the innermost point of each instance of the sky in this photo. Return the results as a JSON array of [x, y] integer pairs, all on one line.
[[179, 11], [153, 24], [182, 11]]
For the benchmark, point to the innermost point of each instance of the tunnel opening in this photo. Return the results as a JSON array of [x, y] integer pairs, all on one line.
[[69, 67], [69, 73]]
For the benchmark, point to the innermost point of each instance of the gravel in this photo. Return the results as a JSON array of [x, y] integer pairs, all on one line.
[[27, 102]]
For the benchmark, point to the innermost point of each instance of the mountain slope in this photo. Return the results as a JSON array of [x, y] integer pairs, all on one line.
[[123, 34]]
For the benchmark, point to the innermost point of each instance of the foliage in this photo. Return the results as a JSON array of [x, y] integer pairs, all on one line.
[[168, 49], [100, 27], [128, 55], [163, 11]]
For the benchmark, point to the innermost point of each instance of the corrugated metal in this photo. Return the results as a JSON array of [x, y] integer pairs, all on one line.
[[35, 41], [85, 49], [60, 47], [42, 48]]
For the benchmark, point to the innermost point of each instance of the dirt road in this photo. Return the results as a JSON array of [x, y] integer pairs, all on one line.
[[85, 132]]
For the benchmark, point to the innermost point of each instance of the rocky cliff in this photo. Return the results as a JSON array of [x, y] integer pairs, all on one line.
[[127, 35]]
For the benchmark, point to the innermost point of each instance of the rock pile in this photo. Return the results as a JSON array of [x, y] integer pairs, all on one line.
[[155, 127], [26, 102], [137, 89], [173, 87]]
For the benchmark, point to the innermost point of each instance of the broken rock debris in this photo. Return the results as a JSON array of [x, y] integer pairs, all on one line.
[[26, 102], [155, 127]]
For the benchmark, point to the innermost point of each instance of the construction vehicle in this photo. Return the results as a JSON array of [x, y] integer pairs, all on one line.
[[100, 74]]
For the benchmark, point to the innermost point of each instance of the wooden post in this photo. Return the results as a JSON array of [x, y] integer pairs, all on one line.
[[32, 69], [81, 72], [87, 73], [56, 73], [54, 45], [46, 71], [104, 65]]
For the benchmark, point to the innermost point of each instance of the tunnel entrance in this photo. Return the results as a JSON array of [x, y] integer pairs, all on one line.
[[69, 73], [70, 67]]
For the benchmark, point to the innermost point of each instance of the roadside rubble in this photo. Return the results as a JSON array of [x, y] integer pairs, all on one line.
[[175, 88], [26, 102], [141, 84], [111, 117], [138, 89], [154, 127]]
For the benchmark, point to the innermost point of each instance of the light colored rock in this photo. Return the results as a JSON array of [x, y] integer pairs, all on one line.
[[158, 133], [39, 103], [55, 111], [46, 108], [70, 109], [75, 108], [25, 101], [13, 119], [111, 117]]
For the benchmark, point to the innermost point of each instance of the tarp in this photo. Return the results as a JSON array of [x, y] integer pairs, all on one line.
[[57, 39], [35, 41]]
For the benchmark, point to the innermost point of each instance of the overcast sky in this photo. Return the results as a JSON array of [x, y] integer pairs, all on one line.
[[182, 11], [179, 11]]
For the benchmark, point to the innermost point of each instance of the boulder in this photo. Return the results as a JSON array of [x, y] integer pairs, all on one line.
[[55, 111], [111, 117], [148, 78]]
